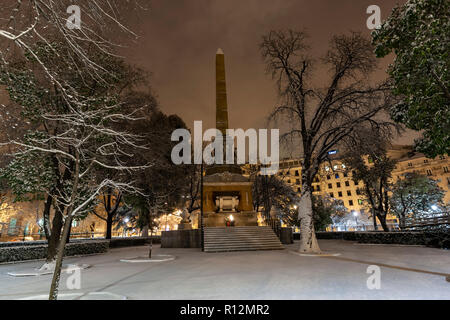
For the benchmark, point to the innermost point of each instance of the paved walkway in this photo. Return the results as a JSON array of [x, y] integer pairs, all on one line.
[[406, 273]]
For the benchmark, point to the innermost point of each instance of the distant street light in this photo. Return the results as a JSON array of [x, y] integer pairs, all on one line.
[[355, 214]]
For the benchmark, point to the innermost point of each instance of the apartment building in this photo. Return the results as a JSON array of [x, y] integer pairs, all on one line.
[[334, 180]]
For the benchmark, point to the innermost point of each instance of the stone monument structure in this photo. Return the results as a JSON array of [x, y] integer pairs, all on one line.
[[227, 194]]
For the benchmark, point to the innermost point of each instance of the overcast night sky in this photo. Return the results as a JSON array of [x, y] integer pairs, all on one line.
[[179, 39]]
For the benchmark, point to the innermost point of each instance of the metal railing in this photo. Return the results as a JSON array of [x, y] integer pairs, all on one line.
[[428, 222], [275, 224]]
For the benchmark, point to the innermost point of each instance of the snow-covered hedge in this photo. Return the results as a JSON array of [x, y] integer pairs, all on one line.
[[33, 252], [346, 235], [427, 238], [436, 239], [22, 243]]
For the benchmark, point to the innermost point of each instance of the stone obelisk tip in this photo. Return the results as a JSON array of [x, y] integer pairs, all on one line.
[[221, 93]]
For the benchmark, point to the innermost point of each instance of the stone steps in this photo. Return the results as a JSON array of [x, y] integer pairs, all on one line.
[[222, 239]]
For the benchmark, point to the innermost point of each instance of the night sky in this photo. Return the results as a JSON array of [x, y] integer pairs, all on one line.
[[179, 40]]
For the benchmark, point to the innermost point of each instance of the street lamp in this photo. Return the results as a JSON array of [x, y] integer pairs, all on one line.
[[355, 214]]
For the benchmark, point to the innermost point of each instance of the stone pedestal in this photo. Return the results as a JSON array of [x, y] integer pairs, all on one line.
[[184, 226], [181, 239], [219, 219]]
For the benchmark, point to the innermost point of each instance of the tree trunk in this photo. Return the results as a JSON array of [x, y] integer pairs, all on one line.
[[308, 240], [383, 222], [151, 244], [402, 220], [374, 217], [46, 217], [109, 223], [55, 236], [68, 234], [59, 259], [53, 295], [145, 231]]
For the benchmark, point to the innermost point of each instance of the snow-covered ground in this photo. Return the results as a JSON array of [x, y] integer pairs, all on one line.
[[406, 273]]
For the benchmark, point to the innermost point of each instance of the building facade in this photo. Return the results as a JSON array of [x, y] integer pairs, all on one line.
[[334, 181]]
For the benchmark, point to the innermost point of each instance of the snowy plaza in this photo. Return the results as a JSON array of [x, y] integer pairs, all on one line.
[[406, 273]]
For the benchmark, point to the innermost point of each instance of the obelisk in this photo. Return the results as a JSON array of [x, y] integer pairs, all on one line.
[[221, 94]]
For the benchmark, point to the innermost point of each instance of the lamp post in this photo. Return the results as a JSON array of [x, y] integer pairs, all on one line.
[[355, 214]]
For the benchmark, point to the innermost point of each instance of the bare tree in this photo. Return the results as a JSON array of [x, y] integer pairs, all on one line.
[[193, 187], [321, 118], [272, 192], [23, 23], [367, 159], [82, 137], [111, 200]]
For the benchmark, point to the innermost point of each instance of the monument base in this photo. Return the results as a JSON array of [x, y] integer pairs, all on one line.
[[184, 226], [240, 219], [181, 239]]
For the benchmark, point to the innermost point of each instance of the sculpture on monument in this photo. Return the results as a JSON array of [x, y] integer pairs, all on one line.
[[185, 222]]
